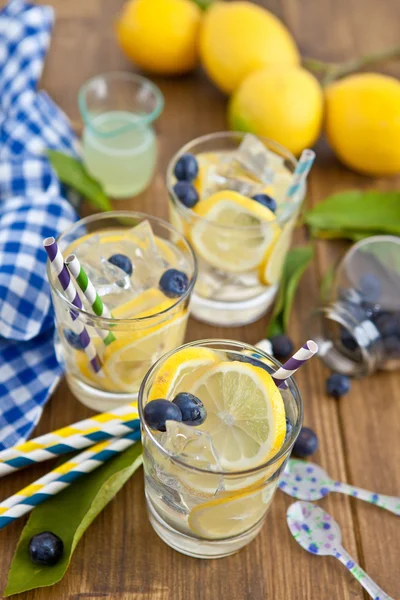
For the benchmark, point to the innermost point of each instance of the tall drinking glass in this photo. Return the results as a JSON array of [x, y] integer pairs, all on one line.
[[144, 323], [196, 504]]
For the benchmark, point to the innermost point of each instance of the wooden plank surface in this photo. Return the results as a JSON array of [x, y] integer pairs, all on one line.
[[120, 557]]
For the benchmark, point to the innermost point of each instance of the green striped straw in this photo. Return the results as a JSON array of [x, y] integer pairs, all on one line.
[[89, 291]]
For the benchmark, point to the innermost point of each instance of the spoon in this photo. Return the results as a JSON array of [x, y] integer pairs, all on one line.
[[317, 532], [308, 481]]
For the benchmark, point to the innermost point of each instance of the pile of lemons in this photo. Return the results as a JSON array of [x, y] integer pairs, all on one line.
[[250, 54]]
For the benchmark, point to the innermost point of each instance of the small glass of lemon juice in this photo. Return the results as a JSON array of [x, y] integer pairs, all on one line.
[[209, 481], [144, 272], [119, 142]]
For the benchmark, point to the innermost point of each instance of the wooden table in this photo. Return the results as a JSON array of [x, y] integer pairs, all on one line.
[[120, 557]]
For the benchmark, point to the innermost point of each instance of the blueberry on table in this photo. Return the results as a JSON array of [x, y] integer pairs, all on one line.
[[391, 346], [122, 262], [388, 324], [192, 408], [157, 412], [282, 346], [266, 201], [174, 283], [370, 287], [73, 339], [45, 549], [186, 193], [338, 385], [306, 444], [186, 168]]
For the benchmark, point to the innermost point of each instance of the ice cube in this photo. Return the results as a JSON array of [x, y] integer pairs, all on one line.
[[191, 445], [255, 159], [147, 262], [216, 182], [107, 278]]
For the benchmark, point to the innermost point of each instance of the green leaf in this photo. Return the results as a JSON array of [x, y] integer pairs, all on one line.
[[345, 234], [73, 173], [296, 262], [327, 283], [357, 212], [203, 4], [68, 515]]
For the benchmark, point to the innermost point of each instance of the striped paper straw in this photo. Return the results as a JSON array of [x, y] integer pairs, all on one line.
[[44, 488], [57, 264], [69, 439], [298, 359], [87, 287], [300, 173]]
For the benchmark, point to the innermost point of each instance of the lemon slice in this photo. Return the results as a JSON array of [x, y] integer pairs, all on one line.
[[223, 238], [130, 356], [232, 515], [245, 414], [177, 373], [270, 269]]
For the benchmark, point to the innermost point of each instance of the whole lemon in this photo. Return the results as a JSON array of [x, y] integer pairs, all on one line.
[[285, 105], [160, 36], [363, 122], [238, 38]]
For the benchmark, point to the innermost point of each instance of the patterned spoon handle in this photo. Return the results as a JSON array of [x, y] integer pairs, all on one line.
[[391, 503], [368, 584]]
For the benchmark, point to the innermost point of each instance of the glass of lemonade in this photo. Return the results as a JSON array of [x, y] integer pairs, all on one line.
[[240, 243], [209, 486], [133, 261], [119, 143]]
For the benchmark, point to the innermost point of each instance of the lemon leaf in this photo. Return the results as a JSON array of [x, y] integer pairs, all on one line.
[[68, 515], [296, 262], [73, 173], [355, 214]]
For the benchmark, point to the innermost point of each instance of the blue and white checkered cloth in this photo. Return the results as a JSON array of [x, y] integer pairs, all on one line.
[[32, 206]]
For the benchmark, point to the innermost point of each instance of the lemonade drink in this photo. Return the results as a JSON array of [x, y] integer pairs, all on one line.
[[208, 487], [240, 243], [129, 257]]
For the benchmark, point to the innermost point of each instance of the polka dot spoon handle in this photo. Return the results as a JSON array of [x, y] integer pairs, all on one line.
[[365, 580], [391, 503], [318, 533]]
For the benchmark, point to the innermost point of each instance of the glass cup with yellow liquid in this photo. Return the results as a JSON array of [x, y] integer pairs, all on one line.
[[144, 272], [229, 196], [119, 143], [216, 434]]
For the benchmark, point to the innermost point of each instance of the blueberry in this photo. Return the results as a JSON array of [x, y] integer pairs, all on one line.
[[289, 427], [186, 193], [266, 201], [122, 262], [370, 287], [157, 412], [388, 324], [45, 549], [192, 409], [282, 346], [348, 340], [392, 346], [306, 444], [174, 283], [338, 385], [73, 339], [186, 168]]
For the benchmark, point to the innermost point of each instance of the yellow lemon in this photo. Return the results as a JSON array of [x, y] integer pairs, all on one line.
[[237, 38], [285, 105], [160, 35], [363, 122]]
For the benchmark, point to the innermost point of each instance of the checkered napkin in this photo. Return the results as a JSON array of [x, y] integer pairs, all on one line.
[[32, 206]]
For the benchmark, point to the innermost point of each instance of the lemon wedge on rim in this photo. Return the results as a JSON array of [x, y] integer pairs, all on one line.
[[234, 231]]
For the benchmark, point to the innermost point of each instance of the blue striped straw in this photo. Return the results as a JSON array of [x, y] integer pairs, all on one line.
[[300, 173], [61, 271]]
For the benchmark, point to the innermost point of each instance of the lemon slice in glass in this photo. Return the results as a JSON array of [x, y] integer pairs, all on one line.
[[271, 267], [245, 414], [179, 370], [234, 231]]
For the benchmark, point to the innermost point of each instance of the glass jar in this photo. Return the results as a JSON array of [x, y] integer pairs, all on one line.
[[357, 328]]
